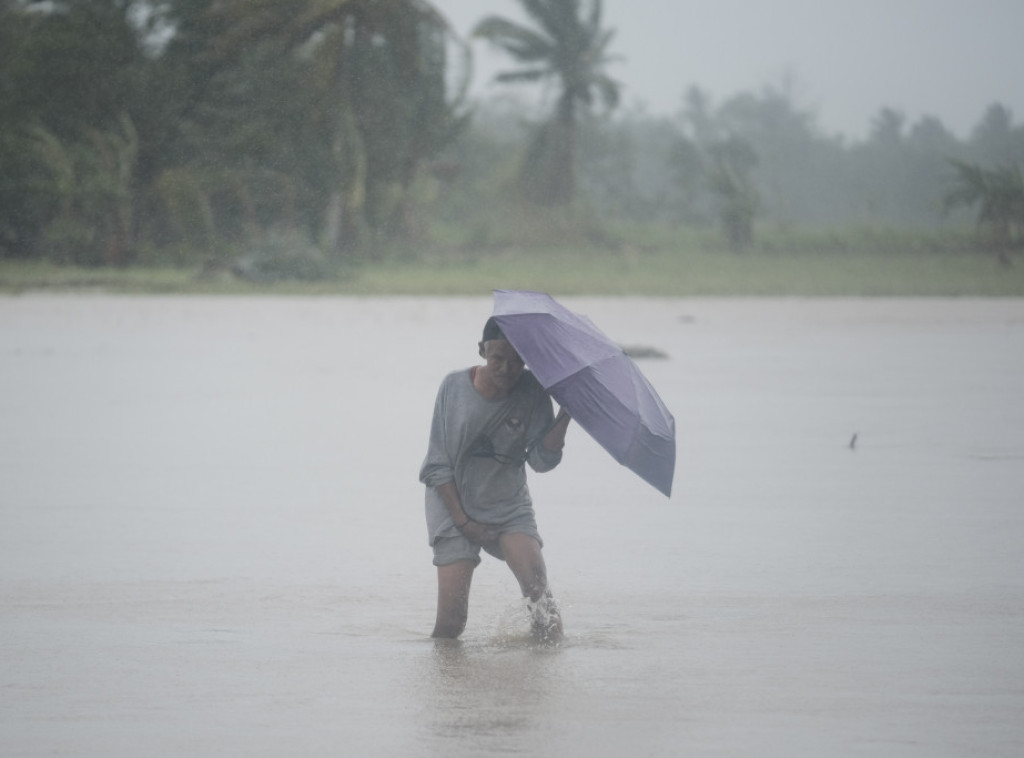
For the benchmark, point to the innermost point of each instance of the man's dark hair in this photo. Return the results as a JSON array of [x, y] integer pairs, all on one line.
[[492, 331]]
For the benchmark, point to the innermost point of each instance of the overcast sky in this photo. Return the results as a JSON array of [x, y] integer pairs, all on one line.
[[848, 58]]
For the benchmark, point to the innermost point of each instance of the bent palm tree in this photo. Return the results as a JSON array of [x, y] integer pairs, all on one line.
[[999, 195], [569, 47]]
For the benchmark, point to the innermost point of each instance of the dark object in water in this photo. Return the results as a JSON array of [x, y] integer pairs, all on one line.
[[643, 351]]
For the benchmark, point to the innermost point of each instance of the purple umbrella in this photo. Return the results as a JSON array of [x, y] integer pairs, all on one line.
[[594, 380]]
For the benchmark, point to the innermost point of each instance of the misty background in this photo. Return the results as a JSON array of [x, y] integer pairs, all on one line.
[[844, 61], [303, 134]]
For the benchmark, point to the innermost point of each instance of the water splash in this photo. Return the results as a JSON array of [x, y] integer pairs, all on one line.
[[530, 622]]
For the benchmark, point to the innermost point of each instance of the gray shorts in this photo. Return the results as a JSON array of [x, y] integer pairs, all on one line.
[[457, 548]]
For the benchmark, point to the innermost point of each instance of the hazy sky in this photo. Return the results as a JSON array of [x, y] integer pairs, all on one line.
[[848, 58]]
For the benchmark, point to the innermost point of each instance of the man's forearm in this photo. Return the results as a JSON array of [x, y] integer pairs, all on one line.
[[554, 440], [450, 497]]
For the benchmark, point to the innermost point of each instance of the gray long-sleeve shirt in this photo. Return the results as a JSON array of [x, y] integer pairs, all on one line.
[[465, 428]]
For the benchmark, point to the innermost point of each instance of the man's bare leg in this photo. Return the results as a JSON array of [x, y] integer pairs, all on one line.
[[453, 582], [524, 557]]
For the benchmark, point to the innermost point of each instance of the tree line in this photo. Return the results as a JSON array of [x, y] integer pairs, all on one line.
[[760, 157], [133, 130], [194, 124]]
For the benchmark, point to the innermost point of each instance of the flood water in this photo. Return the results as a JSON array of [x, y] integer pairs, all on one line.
[[212, 540]]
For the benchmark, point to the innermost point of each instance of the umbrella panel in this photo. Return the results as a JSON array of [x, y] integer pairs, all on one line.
[[553, 348], [613, 402]]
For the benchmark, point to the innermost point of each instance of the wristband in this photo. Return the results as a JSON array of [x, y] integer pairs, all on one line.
[[462, 526]]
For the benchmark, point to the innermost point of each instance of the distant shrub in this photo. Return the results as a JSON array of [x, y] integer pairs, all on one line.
[[282, 258]]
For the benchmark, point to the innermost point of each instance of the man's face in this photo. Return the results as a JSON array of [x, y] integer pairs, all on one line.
[[503, 363]]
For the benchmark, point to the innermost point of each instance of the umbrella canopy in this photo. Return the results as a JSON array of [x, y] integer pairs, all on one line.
[[594, 380]]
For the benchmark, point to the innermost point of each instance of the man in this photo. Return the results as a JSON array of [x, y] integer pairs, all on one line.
[[488, 422]]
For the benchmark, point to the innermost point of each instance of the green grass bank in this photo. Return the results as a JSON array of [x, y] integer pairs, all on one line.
[[577, 271]]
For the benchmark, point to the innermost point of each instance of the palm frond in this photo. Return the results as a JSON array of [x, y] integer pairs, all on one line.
[[969, 188], [601, 45], [521, 43], [556, 17], [523, 75], [594, 20], [609, 91]]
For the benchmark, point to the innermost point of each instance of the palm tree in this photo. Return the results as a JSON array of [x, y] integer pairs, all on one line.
[[999, 195], [569, 47], [391, 107], [729, 179]]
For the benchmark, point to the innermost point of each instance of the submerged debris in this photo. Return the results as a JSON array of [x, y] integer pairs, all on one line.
[[644, 351]]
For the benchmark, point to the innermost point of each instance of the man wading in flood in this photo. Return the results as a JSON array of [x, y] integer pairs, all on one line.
[[488, 422]]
